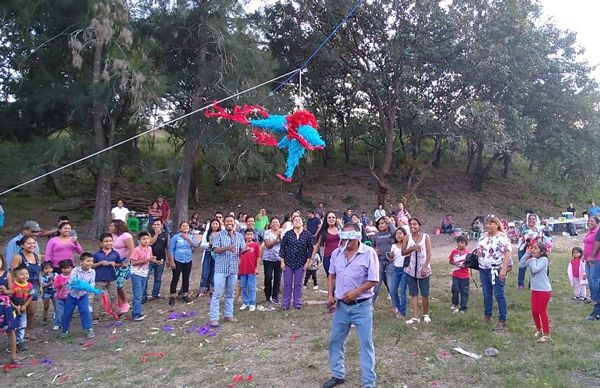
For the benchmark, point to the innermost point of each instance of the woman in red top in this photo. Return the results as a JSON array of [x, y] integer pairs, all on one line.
[[329, 238]]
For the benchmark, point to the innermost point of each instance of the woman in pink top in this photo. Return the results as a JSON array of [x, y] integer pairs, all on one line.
[[329, 238], [588, 240], [62, 247], [123, 244]]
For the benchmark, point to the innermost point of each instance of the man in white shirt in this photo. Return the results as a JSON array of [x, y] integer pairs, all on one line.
[[120, 212]]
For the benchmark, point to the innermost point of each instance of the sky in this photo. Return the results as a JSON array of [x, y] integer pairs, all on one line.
[[580, 16]]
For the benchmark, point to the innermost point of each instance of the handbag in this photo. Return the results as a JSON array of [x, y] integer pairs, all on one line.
[[471, 261]]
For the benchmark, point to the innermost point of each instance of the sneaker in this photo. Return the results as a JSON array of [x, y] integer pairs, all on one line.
[[332, 382], [593, 317], [64, 334], [315, 288], [487, 319], [453, 307], [543, 339], [186, 299], [214, 324], [521, 287], [574, 298], [243, 307], [275, 300], [21, 347], [172, 301], [500, 326], [426, 318], [231, 319], [90, 334], [139, 317], [537, 334], [252, 307], [463, 311], [413, 320], [55, 327], [144, 300]]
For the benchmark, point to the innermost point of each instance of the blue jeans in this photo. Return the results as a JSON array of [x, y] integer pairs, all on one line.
[[83, 305], [522, 271], [248, 286], [223, 282], [497, 289], [593, 274], [20, 323], [138, 284], [361, 316], [157, 270], [398, 284], [59, 310], [386, 268], [208, 271]]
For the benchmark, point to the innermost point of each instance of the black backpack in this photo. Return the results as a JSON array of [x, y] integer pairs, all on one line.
[[471, 261]]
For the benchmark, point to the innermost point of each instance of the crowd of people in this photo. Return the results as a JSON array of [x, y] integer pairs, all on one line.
[[358, 253]]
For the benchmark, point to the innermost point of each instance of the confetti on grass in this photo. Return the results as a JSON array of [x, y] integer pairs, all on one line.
[[147, 356]]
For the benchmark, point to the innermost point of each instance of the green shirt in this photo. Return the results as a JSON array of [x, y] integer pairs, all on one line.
[[261, 222]]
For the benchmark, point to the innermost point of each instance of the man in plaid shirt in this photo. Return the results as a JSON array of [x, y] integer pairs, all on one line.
[[227, 245]]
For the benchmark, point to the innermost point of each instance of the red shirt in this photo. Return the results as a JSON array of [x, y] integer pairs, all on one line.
[[21, 293], [575, 263], [249, 259], [332, 241], [458, 257], [165, 209]]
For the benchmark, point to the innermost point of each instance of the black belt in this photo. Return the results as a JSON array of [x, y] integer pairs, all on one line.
[[354, 302]]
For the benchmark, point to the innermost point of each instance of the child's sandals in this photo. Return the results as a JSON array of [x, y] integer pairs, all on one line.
[[543, 339]]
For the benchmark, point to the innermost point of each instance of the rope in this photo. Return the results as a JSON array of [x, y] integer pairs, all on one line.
[[290, 76], [145, 133], [323, 44]]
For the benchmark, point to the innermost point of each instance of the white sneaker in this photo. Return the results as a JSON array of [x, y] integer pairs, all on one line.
[[453, 307], [243, 307], [55, 327], [252, 308], [413, 320], [315, 288], [426, 318]]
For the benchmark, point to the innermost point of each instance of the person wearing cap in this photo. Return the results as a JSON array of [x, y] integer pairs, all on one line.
[[30, 228], [353, 272]]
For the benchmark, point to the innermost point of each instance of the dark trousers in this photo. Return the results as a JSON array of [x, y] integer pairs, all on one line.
[[326, 262], [460, 287], [272, 271], [184, 270], [310, 273]]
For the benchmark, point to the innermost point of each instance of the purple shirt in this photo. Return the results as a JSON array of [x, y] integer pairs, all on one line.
[[352, 274]]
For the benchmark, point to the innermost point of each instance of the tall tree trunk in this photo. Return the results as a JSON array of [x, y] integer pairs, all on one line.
[[190, 153], [470, 155], [481, 172], [437, 151], [101, 217], [507, 161], [190, 148], [387, 116]]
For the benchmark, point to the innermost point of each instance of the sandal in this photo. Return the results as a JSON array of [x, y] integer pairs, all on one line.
[[537, 334], [543, 339], [426, 318], [413, 320]]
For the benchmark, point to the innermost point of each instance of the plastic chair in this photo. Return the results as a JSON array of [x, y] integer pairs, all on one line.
[[133, 224]]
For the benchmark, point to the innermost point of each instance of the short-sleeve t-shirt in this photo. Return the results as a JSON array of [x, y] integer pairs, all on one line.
[[120, 213], [140, 253], [249, 259], [160, 246], [120, 245]]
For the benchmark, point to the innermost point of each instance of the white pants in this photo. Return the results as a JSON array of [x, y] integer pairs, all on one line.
[[579, 289]]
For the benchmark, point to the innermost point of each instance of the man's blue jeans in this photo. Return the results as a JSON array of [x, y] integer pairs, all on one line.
[[361, 316], [138, 284], [85, 316], [157, 270], [223, 283], [497, 289], [398, 284], [248, 287]]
